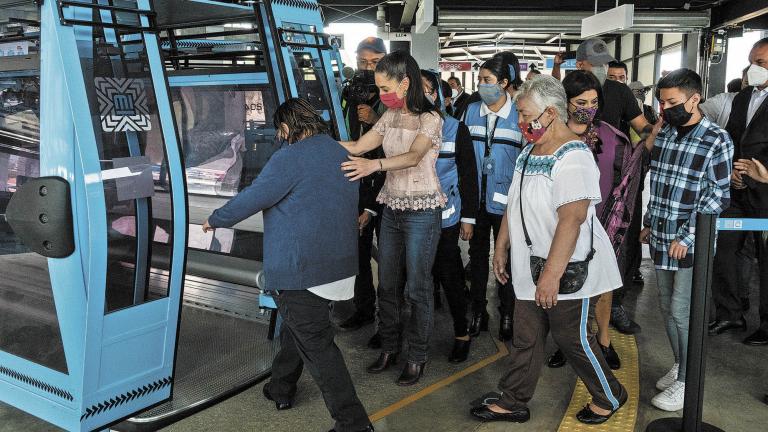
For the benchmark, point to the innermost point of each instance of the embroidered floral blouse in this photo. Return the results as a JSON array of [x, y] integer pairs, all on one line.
[[416, 188]]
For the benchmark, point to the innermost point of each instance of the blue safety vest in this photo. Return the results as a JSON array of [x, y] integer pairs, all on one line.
[[448, 173], [505, 143]]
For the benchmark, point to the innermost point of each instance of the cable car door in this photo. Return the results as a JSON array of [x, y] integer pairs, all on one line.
[[93, 245]]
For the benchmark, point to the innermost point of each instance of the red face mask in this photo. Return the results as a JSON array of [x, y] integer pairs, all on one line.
[[533, 131], [391, 100]]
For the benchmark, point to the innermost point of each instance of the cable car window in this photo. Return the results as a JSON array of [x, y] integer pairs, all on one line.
[[29, 325], [129, 140], [310, 80], [227, 138]]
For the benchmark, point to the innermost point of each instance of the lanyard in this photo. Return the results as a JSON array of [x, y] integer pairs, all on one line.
[[489, 133]]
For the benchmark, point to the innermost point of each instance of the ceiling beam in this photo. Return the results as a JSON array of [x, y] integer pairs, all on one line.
[[470, 54], [737, 12], [409, 10], [448, 40]]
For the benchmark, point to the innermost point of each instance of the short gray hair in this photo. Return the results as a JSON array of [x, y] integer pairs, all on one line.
[[545, 91]]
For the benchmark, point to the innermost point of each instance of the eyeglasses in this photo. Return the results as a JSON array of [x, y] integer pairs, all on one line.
[[362, 63]]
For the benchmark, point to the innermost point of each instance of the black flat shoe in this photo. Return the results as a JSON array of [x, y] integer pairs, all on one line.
[[369, 428], [758, 338], [356, 321], [587, 416], [765, 399], [638, 278], [412, 373], [383, 363], [722, 326], [557, 360], [375, 341], [611, 356], [621, 321], [505, 327], [479, 323], [280, 406], [484, 413], [460, 351]]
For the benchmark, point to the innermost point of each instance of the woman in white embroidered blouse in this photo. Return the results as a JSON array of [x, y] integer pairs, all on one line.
[[551, 215], [411, 133]]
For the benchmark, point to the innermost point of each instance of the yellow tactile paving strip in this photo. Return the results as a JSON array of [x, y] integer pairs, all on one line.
[[624, 420]]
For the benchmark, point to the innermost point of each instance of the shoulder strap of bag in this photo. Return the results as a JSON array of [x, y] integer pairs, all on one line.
[[522, 216]]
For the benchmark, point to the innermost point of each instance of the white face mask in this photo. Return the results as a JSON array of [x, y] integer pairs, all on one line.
[[757, 75], [454, 93]]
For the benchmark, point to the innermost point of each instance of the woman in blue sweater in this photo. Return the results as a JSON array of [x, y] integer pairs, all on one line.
[[310, 256]]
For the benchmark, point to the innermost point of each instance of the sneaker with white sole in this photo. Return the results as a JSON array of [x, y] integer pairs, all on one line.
[[671, 399], [670, 378]]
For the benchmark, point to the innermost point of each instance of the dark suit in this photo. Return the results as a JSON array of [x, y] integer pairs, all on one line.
[[460, 105], [370, 186], [750, 141]]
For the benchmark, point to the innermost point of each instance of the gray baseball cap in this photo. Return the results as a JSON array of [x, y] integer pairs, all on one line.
[[637, 85], [372, 43], [594, 51]]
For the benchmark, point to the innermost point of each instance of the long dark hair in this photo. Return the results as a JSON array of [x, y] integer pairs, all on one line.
[[302, 119], [579, 81], [505, 65], [400, 65]]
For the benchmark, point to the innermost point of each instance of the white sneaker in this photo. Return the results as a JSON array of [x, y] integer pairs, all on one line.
[[670, 378], [671, 399]]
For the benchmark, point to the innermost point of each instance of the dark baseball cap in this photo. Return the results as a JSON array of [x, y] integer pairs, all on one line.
[[372, 43], [595, 51]]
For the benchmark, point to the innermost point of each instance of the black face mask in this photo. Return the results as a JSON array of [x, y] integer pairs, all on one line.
[[677, 115]]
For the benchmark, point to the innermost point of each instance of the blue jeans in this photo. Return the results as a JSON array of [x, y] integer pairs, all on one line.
[[675, 302], [407, 249]]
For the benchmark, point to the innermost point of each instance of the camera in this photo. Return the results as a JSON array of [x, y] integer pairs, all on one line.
[[357, 90]]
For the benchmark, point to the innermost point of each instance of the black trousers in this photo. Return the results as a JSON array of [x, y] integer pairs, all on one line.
[[365, 293], [632, 252], [449, 271], [306, 337], [729, 265], [479, 254]]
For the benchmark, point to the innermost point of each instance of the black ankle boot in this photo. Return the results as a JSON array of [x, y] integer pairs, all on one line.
[[460, 351], [557, 360], [412, 372], [505, 327], [383, 363], [611, 356], [479, 323]]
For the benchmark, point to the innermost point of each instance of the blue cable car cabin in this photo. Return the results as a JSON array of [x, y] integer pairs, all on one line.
[[170, 105]]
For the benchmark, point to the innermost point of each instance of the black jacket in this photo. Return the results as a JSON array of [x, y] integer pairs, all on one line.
[[750, 141], [469, 190], [371, 185], [460, 105]]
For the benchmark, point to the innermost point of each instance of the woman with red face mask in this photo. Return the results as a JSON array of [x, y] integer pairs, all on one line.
[[410, 133], [620, 165], [562, 259]]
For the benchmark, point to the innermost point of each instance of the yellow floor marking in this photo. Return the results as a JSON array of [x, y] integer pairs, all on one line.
[[440, 384], [624, 420]]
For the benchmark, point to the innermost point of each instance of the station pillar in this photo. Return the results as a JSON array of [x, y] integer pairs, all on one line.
[[425, 48]]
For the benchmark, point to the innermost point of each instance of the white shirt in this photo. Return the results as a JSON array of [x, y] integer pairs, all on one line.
[[336, 291], [570, 175], [758, 97]]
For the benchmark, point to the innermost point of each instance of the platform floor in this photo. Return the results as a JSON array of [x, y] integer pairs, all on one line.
[[737, 378]]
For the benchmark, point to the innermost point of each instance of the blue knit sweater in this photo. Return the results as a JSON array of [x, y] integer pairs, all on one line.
[[310, 215]]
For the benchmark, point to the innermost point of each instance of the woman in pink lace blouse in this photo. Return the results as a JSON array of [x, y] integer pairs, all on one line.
[[410, 133]]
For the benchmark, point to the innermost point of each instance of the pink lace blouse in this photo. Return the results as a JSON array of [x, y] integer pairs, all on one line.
[[416, 188]]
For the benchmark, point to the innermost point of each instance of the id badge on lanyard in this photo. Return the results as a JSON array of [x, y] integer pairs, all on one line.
[[489, 163]]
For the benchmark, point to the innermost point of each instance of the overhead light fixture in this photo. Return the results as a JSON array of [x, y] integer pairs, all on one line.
[[612, 20]]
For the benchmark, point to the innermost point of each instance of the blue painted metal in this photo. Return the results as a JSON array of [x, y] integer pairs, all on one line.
[[737, 224], [218, 79], [117, 363]]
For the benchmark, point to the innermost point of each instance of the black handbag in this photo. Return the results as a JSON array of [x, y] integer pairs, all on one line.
[[575, 272]]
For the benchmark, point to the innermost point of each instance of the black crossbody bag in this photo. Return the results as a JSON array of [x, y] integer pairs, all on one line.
[[576, 272]]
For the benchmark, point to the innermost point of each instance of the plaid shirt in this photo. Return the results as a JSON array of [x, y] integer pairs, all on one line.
[[689, 175]]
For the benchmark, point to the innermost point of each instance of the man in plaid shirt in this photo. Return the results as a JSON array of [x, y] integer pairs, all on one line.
[[691, 161]]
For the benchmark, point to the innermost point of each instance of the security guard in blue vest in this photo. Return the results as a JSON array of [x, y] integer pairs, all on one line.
[[497, 143], [457, 172]]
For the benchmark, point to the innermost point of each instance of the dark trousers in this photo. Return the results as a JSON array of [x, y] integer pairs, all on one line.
[[568, 323], [407, 249], [306, 337], [729, 265], [450, 273], [365, 293], [479, 254]]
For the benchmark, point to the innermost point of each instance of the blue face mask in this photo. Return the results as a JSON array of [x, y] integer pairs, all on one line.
[[490, 93]]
